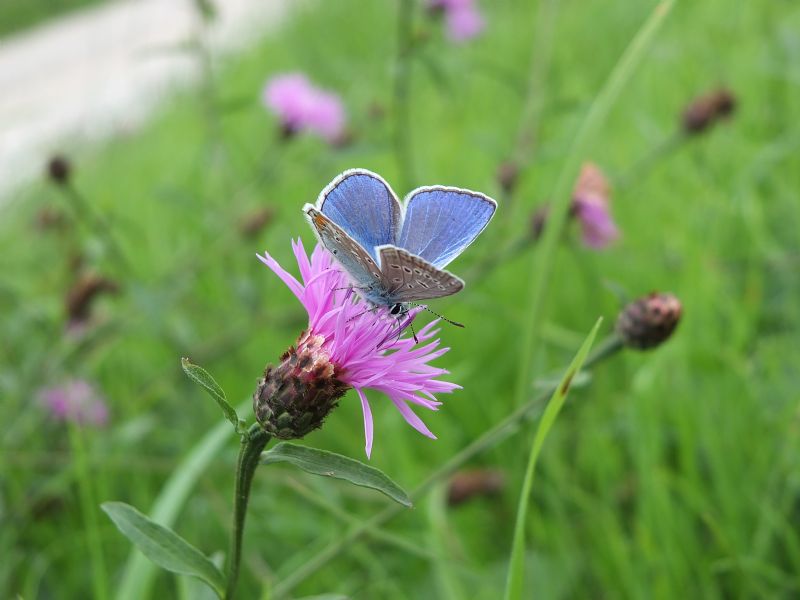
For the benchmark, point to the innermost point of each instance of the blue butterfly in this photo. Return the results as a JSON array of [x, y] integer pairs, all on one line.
[[396, 254]]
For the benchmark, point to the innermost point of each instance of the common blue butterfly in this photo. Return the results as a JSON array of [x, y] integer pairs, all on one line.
[[396, 253]]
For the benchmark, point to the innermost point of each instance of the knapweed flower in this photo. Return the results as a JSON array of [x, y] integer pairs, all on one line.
[[348, 344], [591, 206], [301, 106], [463, 21], [76, 401]]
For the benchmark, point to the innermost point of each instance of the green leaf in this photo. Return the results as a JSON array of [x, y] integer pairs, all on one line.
[[163, 546], [321, 462], [514, 582], [201, 376]]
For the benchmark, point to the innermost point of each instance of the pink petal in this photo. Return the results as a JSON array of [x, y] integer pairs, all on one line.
[[367, 421]]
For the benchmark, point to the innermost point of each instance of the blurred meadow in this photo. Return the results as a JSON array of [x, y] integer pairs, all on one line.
[[668, 473]]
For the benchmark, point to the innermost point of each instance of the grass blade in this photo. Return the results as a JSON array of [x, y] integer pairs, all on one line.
[[516, 563]]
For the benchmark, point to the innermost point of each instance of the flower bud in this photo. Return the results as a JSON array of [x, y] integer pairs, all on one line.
[[538, 221], [469, 484], [294, 398], [507, 175], [649, 321], [706, 110], [59, 169]]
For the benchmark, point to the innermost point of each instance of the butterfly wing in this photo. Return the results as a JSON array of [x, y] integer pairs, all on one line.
[[440, 222], [412, 279], [364, 206], [356, 261]]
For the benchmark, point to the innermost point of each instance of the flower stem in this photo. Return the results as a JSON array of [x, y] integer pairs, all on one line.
[[253, 442], [402, 91], [499, 432]]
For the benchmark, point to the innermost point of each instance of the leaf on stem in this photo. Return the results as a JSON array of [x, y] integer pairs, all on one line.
[[202, 377], [329, 464], [514, 582], [163, 546]]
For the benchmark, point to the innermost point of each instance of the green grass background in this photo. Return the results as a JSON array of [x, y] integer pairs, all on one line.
[[674, 473]]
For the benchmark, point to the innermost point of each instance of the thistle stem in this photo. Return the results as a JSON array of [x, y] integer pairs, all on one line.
[[499, 432], [253, 442], [402, 92]]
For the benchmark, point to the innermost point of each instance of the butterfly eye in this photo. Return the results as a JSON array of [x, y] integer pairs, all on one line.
[[396, 309]]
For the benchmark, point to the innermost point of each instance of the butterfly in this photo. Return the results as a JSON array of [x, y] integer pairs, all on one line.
[[395, 253]]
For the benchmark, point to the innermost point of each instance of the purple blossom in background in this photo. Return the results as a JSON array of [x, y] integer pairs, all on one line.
[[364, 344], [591, 206], [302, 106], [463, 20], [76, 401]]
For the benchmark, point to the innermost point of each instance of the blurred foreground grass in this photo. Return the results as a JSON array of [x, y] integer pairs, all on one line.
[[673, 472]]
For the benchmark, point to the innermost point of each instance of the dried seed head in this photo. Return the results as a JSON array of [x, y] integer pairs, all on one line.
[[251, 224], [538, 221], [59, 170], [649, 321], [294, 398], [507, 176], [466, 485], [82, 294], [707, 110]]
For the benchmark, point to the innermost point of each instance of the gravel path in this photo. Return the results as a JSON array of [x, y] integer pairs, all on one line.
[[101, 71]]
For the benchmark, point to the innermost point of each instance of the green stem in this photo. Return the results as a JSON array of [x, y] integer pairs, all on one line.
[[89, 509], [253, 442], [640, 168], [402, 91], [95, 222], [502, 430], [543, 261]]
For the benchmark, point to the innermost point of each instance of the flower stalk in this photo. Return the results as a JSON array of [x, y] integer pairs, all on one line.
[[253, 442]]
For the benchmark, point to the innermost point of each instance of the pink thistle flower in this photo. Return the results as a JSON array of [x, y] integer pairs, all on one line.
[[76, 401], [348, 344], [591, 201], [302, 106], [463, 20]]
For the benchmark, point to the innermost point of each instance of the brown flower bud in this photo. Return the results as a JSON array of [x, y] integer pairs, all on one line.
[[707, 109], [294, 398], [59, 170], [82, 294], [251, 224], [507, 176], [466, 485], [538, 221], [649, 321]]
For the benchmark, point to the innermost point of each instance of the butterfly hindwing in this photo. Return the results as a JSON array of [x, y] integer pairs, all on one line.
[[364, 206], [413, 279], [440, 222]]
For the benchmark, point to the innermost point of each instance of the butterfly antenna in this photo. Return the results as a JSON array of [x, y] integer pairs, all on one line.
[[456, 323]]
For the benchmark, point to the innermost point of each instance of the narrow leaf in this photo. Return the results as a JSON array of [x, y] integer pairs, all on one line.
[[321, 462], [200, 376], [163, 546], [516, 565]]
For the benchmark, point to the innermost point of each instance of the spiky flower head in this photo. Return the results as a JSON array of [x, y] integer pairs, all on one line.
[[348, 344], [649, 321]]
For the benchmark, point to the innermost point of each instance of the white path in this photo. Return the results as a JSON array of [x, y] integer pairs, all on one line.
[[102, 71]]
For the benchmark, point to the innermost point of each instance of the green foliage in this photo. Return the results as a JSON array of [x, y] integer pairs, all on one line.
[[516, 573], [203, 378], [163, 546], [330, 464], [670, 471]]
